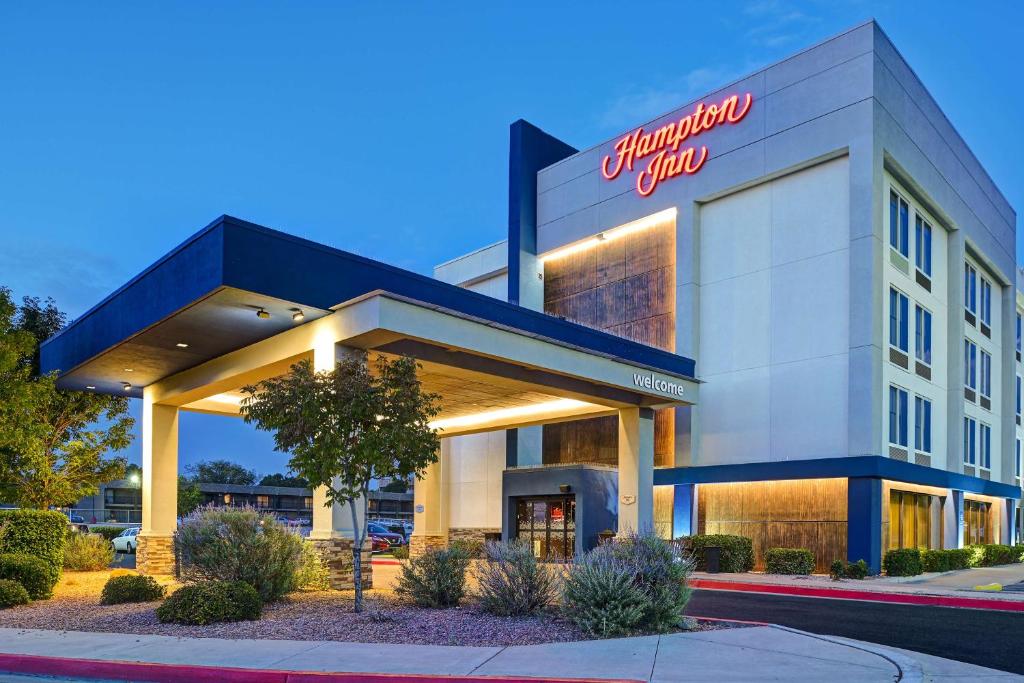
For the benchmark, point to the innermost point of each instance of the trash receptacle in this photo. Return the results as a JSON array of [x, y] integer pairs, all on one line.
[[712, 559]]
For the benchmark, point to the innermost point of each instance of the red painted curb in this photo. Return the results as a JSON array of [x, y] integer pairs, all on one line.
[[855, 594], [386, 560], [189, 673]]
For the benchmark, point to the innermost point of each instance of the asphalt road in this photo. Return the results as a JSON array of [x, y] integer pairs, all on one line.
[[982, 637]]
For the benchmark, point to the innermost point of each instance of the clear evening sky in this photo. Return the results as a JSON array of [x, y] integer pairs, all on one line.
[[382, 128]]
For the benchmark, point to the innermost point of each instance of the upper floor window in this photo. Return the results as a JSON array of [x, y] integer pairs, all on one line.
[[922, 424], [923, 335], [984, 446], [1018, 395], [1018, 332], [986, 374], [970, 364], [970, 288], [923, 246], [898, 320], [897, 416], [970, 429], [899, 224], [1016, 468], [986, 302]]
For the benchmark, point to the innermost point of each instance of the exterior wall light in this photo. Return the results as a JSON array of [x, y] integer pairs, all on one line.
[[262, 314], [298, 316], [564, 488], [126, 386]]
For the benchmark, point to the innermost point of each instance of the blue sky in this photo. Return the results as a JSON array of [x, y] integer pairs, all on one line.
[[382, 128]]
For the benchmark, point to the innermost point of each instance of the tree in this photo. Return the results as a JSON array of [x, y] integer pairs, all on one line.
[[189, 496], [221, 472], [284, 480], [396, 486], [346, 427], [52, 445]]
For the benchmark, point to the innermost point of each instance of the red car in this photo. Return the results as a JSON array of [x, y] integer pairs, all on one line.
[[380, 544]]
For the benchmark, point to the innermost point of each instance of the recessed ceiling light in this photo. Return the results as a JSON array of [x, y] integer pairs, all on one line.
[[129, 369], [90, 387], [262, 314], [298, 316], [182, 345]]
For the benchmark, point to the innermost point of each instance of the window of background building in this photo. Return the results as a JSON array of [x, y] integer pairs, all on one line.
[[970, 429], [910, 520], [897, 416], [970, 288], [970, 364], [923, 335], [986, 374], [986, 302], [923, 246], [984, 446], [262, 501], [899, 308], [922, 424], [899, 224]]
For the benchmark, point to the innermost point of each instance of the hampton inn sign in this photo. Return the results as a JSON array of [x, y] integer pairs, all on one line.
[[668, 160]]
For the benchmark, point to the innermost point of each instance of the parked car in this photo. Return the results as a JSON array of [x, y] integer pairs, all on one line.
[[126, 541], [375, 529], [379, 544]]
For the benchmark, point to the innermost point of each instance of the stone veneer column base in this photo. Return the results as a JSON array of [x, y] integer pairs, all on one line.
[[418, 545], [475, 534], [337, 555], [155, 555]]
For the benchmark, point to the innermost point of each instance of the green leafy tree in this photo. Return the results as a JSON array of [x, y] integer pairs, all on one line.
[[348, 426], [221, 472], [189, 496], [53, 442], [396, 486], [284, 480]]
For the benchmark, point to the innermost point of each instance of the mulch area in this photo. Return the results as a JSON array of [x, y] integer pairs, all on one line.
[[326, 615]]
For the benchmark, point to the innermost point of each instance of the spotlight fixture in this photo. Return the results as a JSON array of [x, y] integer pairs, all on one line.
[[126, 386], [298, 316], [182, 345], [262, 314]]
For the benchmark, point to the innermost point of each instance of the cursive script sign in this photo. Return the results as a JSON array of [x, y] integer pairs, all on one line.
[[669, 156]]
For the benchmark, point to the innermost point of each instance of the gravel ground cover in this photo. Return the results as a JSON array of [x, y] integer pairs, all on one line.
[[323, 615]]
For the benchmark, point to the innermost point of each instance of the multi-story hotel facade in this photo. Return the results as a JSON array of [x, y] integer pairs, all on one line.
[[787, 310]]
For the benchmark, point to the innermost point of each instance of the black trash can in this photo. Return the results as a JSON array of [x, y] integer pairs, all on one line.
[[712, 559]]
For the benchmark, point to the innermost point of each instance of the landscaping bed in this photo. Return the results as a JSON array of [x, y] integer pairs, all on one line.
[[321, 615]]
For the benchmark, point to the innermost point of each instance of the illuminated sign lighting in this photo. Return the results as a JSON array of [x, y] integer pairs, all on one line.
[[534, 409], [671, 158], [613, 234]]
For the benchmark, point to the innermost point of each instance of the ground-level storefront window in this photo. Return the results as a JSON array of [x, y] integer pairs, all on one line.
[[977, 528], [910, 520], [548, 525]]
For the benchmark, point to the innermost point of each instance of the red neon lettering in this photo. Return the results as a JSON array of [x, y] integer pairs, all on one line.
[[665, 142]]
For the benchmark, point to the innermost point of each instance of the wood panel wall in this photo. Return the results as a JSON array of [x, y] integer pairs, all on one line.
[[664, 500], [807, 513], [626, 287]]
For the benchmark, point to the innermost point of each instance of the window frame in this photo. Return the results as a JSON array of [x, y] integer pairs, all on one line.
[[899, 320], [970, 440], [899, 420], [970, 365], [920, 314], [970, 288], [985, 301], [922, 233], [922, 424], [984, 373], [984, 446], [900, 232]]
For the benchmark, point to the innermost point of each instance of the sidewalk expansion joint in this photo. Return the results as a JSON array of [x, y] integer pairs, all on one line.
[[481, 664]]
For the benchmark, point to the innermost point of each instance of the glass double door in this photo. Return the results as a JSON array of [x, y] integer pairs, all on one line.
[[548, 525]]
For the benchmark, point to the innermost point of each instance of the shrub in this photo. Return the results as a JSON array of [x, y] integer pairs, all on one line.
[[902, 562], [107, 532], [857, 570], [935, 560], [39, 533], [87, 552], [121, 571], [837, 570], [12, 594], [960, 558], [635, 583], [210, 602], [238, 544], [435, 579], [312, 574], [511, 582], [993, 554], [31, 572], [131, 588], [471, 547], [401, 552], [789, 561], [737, 554], [1018, 552]]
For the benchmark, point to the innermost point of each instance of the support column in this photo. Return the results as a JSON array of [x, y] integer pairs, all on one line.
[[155, 552], [333, 532], [636, 470], [430, 508], [864, 522], [955, 534], [1008, 533]]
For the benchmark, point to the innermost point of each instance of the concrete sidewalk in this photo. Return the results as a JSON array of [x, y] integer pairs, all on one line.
[[755, 653]]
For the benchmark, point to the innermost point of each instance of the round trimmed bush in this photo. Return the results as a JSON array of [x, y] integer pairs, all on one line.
[[736, 555], [87, 552], [857, 570], [12, 594], [211, 602], [798, 561], [31, 572], [131, 588], [902, 562]]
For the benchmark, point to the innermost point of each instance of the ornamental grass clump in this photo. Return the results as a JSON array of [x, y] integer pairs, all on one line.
[[511, 582], [238, 544], [634, 584], [435, 579], [87, 552]]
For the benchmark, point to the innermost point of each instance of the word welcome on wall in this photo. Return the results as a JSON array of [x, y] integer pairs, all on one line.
[[669, 156]]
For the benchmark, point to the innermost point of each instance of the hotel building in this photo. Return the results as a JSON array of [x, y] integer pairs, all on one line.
[[787, 310]]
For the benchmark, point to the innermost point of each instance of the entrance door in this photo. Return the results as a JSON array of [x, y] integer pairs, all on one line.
[[548, 525]]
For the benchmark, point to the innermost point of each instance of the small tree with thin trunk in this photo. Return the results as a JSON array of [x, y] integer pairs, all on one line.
[[346, 427]]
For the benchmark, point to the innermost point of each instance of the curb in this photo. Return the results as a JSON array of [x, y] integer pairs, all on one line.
[[910, 670], [115, 670], [862, 595]]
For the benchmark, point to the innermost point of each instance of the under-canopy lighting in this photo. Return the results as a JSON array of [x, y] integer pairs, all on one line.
[[529, 410], [298, 316], [262, 314], [613, 234], [182, 345], [228, 399]]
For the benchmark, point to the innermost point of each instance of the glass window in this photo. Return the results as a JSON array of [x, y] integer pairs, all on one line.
[[922, 424], [970, 288], [899, 224], [1016, 468], [923, 246], [985, 445], [970, 364], [976, 527], [923, 335], [1018, 332], [897, 416], [899, 307], [986, 374], [970, 427], [548, 526], [1018, 395], [910, 520], [986, 302]]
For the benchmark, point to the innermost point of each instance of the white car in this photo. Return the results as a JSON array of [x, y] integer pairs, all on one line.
[[126, 541]]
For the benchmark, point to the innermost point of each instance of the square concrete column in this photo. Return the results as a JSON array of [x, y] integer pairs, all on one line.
[[430, 507], [864, 521], [953, 520], [636, 470], [155, 552]]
